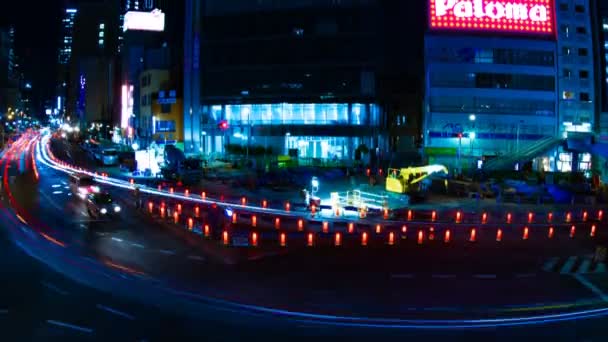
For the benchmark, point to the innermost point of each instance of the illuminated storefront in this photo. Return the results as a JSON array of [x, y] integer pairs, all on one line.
[[314, 130]]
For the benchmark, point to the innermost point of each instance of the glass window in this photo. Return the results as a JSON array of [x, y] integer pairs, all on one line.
[[165, 126], [584, 97], [563, 6], [583, 52], [579, 9], [581, 30], [583, 74], [568, 95]]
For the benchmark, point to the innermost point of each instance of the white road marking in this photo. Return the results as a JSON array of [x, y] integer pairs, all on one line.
[[70, 326], [591, 287], [138, 245], [402, 276], [166, 251], [548, 266], [525, 275], [568, 265], [115, 312], [117, 239], [55, 186], [485, 276], [443, 276], [196, 257], [57, 192], [54, 288], [584, 268]]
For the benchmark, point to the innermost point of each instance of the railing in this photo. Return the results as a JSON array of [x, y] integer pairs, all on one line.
[[530, 152]]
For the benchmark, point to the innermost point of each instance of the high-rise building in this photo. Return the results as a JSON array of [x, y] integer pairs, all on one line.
[[297, 77], [65, 57], [92, 69], [67, 35], [508, 83], [575, 62]]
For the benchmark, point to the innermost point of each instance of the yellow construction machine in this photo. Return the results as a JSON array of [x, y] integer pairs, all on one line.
[[409, 180]]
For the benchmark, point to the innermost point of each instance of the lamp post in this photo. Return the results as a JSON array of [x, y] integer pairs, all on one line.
[[517, 139]]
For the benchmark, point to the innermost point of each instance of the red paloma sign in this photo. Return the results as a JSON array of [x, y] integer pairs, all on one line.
[[519, 16]]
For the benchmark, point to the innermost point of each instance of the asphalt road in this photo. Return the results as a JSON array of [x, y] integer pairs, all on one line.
[[137, 258]]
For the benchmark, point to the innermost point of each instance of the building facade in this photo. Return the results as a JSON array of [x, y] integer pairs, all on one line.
[[509, 79], [576, 86], [298, 77]]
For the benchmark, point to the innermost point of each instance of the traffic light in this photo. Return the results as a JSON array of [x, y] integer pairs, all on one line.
[[223, 125]]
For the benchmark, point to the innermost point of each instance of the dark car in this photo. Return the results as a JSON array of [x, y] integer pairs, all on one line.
[[102, 205]]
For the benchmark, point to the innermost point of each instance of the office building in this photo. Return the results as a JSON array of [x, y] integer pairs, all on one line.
[[297, 77], [92, 85], [508, 83]]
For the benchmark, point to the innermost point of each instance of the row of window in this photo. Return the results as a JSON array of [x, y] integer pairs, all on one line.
[[491, 56], [578, 8], [355, 114], [582, 74], [568, 51], [146, 80], [570, 95], [491, 105], [492, 80]]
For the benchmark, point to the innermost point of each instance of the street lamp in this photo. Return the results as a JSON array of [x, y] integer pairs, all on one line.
[[314, 183], [472, 137], [472, 117]]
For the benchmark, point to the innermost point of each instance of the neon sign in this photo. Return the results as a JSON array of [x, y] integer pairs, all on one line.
[[518, 16], [144, 21]]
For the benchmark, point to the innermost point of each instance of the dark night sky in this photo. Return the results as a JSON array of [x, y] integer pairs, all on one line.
[[37, 25]]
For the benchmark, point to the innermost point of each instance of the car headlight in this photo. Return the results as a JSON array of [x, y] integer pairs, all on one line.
[[116, 209], [104, 211]]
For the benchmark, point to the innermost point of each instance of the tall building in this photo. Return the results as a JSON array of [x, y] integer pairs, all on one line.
[[297, 77], [65, 57], [576, 85], [67, 35], [490, 84], [93, 69], [509, 83]]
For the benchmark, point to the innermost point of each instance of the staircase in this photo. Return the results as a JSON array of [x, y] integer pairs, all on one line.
[[507, 162]]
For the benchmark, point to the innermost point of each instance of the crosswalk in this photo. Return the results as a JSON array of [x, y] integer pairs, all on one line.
[[573, 265]]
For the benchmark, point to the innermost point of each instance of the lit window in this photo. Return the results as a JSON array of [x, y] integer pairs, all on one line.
[[101, 34], [102, 26], [568, 95]]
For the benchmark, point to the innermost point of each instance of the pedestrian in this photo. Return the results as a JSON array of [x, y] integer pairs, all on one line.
[[137, 196]]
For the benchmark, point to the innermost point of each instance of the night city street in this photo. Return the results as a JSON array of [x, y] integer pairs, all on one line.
[[336, 170]]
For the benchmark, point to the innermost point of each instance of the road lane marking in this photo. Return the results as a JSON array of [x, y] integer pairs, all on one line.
[[57, 192], [402, 276], [54, 288], [138, 245], [115, 312], [485, 276], [70, 326], [584, 268], [55, 186], [444, 276], [166, 251], [568, 265], [548, 266], [196, 257], [525, 275], [591, 287], [117, 239]]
